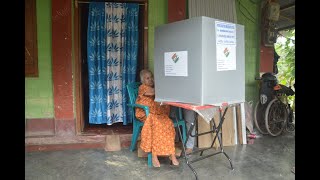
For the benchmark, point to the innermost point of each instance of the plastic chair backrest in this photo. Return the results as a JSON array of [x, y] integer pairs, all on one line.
[[133, 89]]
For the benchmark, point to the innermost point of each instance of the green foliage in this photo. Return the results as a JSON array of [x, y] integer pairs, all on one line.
[[285, 47]]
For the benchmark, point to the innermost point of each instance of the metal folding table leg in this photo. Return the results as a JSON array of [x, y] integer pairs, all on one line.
[[184, 144], [217, 135]]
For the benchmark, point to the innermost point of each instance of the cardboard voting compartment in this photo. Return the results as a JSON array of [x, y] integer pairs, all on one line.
[[199, 61]]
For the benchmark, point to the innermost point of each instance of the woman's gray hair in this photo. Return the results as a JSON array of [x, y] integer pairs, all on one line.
[[143, 72]]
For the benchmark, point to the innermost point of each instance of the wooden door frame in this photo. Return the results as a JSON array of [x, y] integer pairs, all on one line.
[[77, 56]]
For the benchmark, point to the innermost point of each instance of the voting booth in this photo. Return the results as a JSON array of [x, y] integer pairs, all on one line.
[[199, 64], [200, 61]]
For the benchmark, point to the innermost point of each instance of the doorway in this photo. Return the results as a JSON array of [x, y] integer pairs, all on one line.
[[81, 66]]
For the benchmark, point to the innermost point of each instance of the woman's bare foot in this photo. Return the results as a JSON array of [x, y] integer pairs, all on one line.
[[155, 161], [174, 160]]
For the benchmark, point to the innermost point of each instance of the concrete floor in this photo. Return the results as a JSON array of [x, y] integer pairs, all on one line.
[[268, 158]]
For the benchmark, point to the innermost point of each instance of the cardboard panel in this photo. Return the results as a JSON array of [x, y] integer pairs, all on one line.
[[228, 130]]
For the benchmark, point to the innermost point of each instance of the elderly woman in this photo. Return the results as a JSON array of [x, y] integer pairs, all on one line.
[[158, 133]]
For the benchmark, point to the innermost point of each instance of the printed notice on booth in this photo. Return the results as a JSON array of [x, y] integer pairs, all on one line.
[[176, 63], [226, 46]]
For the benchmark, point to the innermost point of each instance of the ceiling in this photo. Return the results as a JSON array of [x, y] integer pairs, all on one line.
[[287, 15]]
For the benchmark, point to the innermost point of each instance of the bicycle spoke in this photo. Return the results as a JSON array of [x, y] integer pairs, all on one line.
[[276, 115]]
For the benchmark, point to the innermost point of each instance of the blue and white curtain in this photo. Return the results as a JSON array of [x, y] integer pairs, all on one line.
[[112, 59], [129, 65]]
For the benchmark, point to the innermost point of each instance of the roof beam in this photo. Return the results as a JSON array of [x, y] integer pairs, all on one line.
[[286, 27], [288, 6], [287, 18]]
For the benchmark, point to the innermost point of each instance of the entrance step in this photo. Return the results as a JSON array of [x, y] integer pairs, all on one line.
[[112, 143]]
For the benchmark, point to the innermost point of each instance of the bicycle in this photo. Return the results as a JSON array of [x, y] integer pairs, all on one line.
[[266, 83], [273, 113], [279, 114]]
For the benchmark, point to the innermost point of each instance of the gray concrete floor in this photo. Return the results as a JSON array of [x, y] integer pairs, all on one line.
[[268, 158]]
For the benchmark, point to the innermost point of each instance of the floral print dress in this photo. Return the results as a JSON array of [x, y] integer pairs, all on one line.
[[158, 133]]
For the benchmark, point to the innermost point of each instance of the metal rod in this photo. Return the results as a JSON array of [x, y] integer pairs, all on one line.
[[229, 160], [215, 129], [203, 157], [218, 134], [183, 144], [202, 149], [207, 132]]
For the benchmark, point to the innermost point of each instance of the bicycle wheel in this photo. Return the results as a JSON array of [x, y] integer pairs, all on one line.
[[259, 118], [275, 117]]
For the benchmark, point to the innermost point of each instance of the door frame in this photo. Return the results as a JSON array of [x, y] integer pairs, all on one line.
[[77, 56]]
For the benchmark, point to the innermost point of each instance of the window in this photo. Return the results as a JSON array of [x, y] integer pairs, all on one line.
[[31, 48]]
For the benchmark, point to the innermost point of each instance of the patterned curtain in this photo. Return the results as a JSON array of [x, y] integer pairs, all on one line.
[[112, 58], [115, 13], [129, 65], [96, 49]]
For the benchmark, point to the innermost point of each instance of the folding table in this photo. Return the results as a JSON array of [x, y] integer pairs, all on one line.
[[207, 112]]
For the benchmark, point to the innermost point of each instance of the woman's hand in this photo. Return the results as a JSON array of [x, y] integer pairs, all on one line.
[[150, 92]]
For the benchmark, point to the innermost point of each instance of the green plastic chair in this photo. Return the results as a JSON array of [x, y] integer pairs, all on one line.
[[137, 125]]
